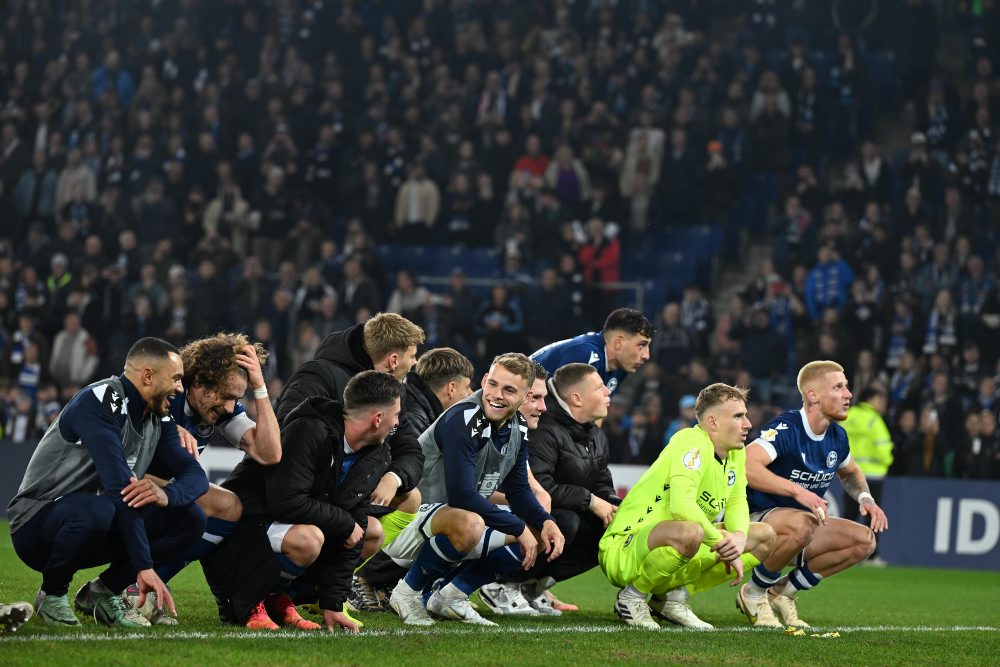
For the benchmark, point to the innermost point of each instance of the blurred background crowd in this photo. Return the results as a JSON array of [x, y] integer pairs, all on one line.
[[770, 181]]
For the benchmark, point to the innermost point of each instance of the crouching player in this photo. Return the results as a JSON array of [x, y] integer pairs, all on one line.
[[218, 370], [663, 538], [319, 494], [459, 540], [789, 468]]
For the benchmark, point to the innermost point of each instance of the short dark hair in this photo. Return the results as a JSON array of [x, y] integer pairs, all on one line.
[[630, 321], [370, 389], [569, 376], [540, 372], [150, 348], [442, 365]]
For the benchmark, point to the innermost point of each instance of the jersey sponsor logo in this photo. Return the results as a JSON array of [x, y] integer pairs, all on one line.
[[769, 435], [831, 459], [692, 460], [593, 357], [715, 504], [807, 476], [731, 478]]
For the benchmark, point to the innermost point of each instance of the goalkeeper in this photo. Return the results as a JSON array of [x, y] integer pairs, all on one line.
[[666, 536]]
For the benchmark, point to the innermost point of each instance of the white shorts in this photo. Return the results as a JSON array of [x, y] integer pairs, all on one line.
[[276, 535], [407, 545]]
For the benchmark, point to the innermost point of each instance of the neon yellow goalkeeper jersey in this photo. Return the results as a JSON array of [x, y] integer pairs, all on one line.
[[688, 483]]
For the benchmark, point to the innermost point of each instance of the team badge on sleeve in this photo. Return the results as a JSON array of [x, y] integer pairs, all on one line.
[[692, 460]]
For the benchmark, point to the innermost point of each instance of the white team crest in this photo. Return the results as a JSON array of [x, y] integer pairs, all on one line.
[[731, 478], [612, 385], [831, 459], [692, 460], [769, 435]]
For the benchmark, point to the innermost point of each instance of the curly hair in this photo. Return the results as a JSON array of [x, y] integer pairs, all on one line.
[[210, 361]]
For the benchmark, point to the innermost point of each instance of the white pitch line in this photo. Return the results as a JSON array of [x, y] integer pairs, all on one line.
[[508, 630]]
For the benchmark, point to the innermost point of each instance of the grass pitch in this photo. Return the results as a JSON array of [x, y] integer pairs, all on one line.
[[892, 616]]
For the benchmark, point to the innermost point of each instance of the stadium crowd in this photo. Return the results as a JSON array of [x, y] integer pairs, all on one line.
[[182, 168]]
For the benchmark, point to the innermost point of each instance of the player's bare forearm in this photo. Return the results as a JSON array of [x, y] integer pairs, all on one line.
[[263, 441], [762, 479], [853, 481]]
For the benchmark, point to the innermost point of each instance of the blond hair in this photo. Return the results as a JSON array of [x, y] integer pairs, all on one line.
[[388, 333], [813, 371], [717, 394]]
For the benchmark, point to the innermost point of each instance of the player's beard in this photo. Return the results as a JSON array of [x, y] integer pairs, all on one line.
[[161, 404]]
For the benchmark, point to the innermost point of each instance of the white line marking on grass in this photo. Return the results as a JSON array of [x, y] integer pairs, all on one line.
[[445, 630]]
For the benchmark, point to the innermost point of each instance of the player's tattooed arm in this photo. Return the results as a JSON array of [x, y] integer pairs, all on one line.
[[855, 485], [853, 481]]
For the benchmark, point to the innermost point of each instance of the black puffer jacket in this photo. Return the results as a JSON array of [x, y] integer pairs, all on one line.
[[303, 488], [422, 407], [340, 357], [570, 459]]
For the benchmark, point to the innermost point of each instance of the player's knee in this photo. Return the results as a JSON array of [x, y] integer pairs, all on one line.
[[374, 537], [225, 505], [304, 543], [98, 517], [409, 501], [801, 529], [469, 528], [764, 538], [689, 539], [865, 546]]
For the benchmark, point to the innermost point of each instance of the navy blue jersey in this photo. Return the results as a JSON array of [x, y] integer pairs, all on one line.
[[586, 348], [228, 430], [799, 455]]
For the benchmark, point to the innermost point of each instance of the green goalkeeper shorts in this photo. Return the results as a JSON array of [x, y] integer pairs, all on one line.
[[621, 555]]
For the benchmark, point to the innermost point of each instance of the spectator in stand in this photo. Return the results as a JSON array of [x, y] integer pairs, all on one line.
[[271, 219], [828, 282], [74, 354], [681, 183], [409, 299], [639, 178], [499, 324], [358, 291], [417, 206], [568, 178], [673, 344], [534, 161], [600, 256]]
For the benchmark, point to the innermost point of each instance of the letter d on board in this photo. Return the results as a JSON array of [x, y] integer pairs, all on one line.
[[965, 543]]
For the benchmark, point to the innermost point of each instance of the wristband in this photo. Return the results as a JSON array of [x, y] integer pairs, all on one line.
[[261, 392], [863, 495]]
